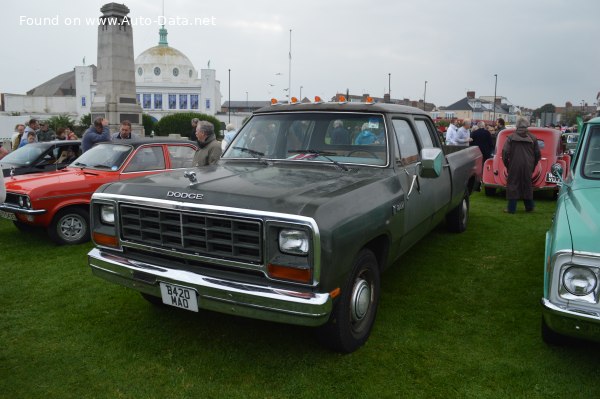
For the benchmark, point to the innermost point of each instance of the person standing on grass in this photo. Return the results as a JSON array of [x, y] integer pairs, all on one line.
[[520, 155]]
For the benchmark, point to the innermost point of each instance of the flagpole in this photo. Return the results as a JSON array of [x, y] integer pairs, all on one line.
[[290, 71]]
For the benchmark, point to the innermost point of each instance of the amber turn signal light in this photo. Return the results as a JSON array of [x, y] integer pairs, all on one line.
[[289, 273], [106, 240]]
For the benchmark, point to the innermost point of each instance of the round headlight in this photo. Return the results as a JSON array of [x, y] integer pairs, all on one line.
[[107, 214], [579, 280], [21, 201], [27, 203], [293, 242]]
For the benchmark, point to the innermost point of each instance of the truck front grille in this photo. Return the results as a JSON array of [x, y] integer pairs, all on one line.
[[193, 233]]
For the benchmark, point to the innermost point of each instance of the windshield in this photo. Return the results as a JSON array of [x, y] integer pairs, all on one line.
[[103, 156], [591, 154], [350, 138], [25, 155]]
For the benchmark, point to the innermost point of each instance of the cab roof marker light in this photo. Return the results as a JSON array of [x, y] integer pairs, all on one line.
[[318, 100], [294, 100], [342, 100], [274, 101], [369, 100]]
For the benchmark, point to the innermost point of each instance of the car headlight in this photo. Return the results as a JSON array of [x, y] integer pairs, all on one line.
[[27, 203], [579, 280], [294, 242], [107, 214], [21, 201]]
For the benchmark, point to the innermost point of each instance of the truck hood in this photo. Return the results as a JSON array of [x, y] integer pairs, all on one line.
[[277, 188], [583, 210]]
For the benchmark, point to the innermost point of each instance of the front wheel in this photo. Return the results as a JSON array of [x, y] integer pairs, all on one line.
[[70, 226], [353, 314], [458, 218]]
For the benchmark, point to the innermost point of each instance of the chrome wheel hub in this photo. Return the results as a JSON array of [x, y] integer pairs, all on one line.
[[361, 300]]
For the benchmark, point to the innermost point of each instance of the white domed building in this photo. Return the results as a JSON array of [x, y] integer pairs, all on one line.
[[166, 82], [165, 78]]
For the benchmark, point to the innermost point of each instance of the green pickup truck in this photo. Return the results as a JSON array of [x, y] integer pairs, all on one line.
[[308, 205]]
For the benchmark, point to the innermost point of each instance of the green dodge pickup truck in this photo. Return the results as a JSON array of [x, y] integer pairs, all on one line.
[[295, 224]]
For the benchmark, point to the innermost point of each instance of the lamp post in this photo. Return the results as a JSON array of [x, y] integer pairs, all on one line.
[[582, 107], [495, 86], [390, 86], [424, 94], [247, 108], [229, 88], [301, 93]]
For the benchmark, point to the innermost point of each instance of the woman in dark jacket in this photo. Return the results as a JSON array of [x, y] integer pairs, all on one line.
[[483, 139], [520, 155]]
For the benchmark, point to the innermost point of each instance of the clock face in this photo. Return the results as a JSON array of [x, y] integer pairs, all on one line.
[[156, 71], [140, 71], [175, 72]]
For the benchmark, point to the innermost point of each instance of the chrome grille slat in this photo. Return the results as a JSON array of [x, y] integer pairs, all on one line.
[[194, 233]]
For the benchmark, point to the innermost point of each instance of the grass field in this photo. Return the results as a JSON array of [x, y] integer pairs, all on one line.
[[459, 318]]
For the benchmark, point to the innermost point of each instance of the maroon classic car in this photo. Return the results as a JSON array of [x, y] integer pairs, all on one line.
[[552, 149]]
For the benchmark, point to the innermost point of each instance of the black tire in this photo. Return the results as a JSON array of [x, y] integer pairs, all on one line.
[[154, 300], [551, 337], [353, 314], [490, 191], [24, 227], [70, 226], [458, 218]]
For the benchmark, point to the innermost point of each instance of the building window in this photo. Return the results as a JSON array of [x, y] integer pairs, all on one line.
[[449, 115], [194, 101], [140, 71], [183, 98], [83, 101], [477, 115], [158, 101], [207, 103], [175, 71], [156, 71], [190, 73], [147, 101], [137, 96], [172, 101]]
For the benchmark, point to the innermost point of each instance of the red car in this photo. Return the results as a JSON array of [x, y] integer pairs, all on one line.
[[59, 201], [552, 149]]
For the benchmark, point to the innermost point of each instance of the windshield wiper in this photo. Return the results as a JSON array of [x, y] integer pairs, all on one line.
[[81, 165], [256, 154], [102, 166], [324, 154]]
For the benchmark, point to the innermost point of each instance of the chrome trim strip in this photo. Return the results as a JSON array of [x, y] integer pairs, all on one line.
[[552, 308]]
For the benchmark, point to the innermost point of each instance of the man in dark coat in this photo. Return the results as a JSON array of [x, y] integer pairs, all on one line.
[[483, 139], [520, 154]]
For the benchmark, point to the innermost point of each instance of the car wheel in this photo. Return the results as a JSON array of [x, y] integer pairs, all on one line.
[[490, 191], [70, 226], [154, 300], [551, 337], [353, 315], [458, 218]]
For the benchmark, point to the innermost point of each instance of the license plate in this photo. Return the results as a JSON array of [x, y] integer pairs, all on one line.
[[180, 297], [7, 215], [550, 178]]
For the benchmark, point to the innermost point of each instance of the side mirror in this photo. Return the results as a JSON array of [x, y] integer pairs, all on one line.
[[557, 171], [432, 160]]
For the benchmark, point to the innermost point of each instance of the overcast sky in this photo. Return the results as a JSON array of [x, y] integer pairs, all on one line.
[[543, 51]]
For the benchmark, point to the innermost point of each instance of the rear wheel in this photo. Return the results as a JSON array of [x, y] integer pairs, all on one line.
[[458, 218], [353, 314], [70, 226]]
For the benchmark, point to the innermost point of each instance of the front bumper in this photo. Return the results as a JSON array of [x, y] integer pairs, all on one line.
[[224, 296], [16, 209], [571, 323]]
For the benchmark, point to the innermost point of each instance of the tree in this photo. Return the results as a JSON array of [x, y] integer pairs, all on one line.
[[59, 121], [148, 123], [546, 108], [180, 123]]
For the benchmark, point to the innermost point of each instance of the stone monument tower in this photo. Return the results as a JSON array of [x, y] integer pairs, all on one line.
[[115, 79]]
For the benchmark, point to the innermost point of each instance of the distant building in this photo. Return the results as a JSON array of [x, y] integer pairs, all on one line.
[[166, 82], [483, 108], [385, 99], [243, 106]]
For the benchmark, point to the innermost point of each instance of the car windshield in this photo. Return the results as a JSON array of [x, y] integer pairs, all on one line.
[[25, 155], [103, 156], [338, 138], [591, 154]]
